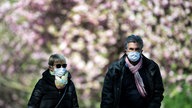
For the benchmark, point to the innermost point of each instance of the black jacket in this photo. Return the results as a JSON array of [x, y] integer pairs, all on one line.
[[46, 95], [113, 80]]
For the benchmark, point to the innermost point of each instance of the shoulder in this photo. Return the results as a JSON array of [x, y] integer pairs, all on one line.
[[118, 63], [41, 82], [149, 62], [70, 81], [116, 67], [151, 66], [71, 86]]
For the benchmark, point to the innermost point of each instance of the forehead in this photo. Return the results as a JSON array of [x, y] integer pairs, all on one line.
[[132, 45], [60, 62]]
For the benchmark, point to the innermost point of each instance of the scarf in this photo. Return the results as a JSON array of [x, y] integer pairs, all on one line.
[[60, 82], [138, 80]]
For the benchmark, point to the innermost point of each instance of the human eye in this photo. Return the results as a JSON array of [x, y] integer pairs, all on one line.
[[130, 49], [137, 49]]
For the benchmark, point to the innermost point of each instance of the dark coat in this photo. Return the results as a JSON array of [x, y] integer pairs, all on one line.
[[113, 80], [46, 95]]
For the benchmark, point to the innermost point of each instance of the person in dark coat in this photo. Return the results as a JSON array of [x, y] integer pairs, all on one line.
[[55, 89], [134, 81]]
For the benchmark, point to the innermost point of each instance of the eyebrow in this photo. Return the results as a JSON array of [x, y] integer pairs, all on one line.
[[134, 48]]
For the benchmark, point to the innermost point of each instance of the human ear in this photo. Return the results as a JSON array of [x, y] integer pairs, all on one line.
[[51, 68], [141, 51], [125, 50]]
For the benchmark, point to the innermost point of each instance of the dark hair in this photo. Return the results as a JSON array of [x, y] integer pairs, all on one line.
[[56, 57], [135, 39]]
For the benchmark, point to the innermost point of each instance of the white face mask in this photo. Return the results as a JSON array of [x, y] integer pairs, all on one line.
[[59, 71], [133, 56], [61, 81]]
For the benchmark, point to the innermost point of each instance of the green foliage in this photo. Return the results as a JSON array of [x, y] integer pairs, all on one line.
[[178, 97]]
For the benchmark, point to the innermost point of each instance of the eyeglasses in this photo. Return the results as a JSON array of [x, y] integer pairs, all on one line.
[[59, 65]]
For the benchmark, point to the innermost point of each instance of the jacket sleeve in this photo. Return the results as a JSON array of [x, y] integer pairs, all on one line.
[[74, 97], [36, 95], [107, 99], [158, 89]]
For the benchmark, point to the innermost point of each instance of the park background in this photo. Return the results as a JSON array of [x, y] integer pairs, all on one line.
[[91, 33]]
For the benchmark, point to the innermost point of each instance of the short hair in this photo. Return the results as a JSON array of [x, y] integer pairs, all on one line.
[[56, 57], [135, 39]]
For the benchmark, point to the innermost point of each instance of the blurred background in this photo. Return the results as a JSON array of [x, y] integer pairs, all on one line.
[[91, 33]]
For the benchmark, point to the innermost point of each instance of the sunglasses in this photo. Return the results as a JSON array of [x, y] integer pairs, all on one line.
[[59, 65]]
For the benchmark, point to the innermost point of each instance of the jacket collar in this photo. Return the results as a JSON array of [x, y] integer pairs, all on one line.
[[121, 61], [51, 78]]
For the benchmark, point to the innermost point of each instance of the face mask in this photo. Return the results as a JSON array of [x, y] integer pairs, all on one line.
[[59, 71], [133, 56]]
